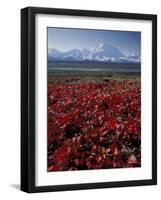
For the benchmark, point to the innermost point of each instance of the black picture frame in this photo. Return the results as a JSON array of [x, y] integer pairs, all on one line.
[[28, 99]]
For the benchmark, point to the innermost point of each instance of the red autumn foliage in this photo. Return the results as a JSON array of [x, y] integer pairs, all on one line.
[[94, 125]]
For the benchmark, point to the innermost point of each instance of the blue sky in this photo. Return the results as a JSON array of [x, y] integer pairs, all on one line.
[[65, 39]]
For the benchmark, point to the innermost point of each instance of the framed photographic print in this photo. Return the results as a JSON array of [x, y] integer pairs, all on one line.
[[88, 99]]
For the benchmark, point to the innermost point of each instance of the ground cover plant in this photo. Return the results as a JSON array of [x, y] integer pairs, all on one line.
[[94, 124]]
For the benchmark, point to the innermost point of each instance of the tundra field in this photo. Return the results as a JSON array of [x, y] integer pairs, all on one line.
[[94, 121]]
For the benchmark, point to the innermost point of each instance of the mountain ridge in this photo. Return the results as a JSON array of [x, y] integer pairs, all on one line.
[[100, 53]]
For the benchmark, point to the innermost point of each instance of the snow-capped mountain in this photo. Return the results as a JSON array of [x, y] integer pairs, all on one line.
[[101, 53]]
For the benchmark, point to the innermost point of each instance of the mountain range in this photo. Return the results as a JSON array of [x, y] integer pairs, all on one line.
[[101, 53]]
